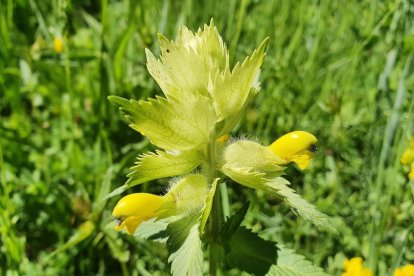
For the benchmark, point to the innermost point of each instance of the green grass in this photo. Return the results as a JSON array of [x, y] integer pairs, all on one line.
[[342, 72]]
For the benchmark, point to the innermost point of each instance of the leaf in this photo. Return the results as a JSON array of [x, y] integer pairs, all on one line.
[[184, 245], [208, 205], [162, 164], [246, 176], [291, 264], [230, 90], [231, 225], [157, 165], [251, 154], [153, 229], [301, 206], [278, 186], [188, 62], [181, 124], [250, 253], [81, 233], [103, 190]]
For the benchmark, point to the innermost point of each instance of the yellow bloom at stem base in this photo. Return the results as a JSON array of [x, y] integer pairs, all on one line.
[[133, 209], [407, 270], [296, 146], [353, 267]]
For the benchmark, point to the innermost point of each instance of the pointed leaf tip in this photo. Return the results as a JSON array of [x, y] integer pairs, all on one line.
[[119, 101]]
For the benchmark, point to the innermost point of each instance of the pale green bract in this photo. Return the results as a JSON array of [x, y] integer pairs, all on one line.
[[204, 99], [181, 124], [251, 154], [163, 164], [189, 62], [230, 89]]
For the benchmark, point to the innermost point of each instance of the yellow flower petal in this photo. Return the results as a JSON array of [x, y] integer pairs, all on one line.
[[303, 159], [407, 270], [407, 156], [296, 146], [354, 267], [411, 174], [133, 209]]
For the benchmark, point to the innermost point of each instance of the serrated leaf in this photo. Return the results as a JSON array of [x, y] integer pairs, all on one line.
[[184, 245], [157, 165], [251, 154], [291, 264], [230, 89], [231, 225], [246, 176], [188, 62], [181, 124], [228, 125], [208, 205], [250, 253], [279, 186], [162, 164]]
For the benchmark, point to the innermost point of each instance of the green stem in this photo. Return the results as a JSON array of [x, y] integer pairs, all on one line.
[[216, 212], [215, 224]]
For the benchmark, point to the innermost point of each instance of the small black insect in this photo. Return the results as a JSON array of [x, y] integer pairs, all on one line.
[[313, 148]]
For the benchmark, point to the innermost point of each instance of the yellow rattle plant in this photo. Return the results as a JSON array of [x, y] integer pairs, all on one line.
[[204, 98]]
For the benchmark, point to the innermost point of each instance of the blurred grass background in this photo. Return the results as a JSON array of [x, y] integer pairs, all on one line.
[[341, 71]]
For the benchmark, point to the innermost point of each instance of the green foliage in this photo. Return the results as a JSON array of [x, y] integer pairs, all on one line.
[[249, 252], [184, 245], [303, 208], [291, 264], [244, 249]]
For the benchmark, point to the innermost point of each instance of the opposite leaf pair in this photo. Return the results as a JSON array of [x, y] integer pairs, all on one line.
[[297, 146]]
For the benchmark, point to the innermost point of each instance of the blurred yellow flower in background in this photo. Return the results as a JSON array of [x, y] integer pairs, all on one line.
[[353, 267], [408, 158], [407, 270], [58, 44]]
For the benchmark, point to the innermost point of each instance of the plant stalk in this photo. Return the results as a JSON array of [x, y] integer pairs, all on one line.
[[215, 219]]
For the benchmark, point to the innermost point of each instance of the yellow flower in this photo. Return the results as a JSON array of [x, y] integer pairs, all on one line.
[[133, 209], [297, 146], [408, 158], [353, 267], [58, 44], [407, 270]]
